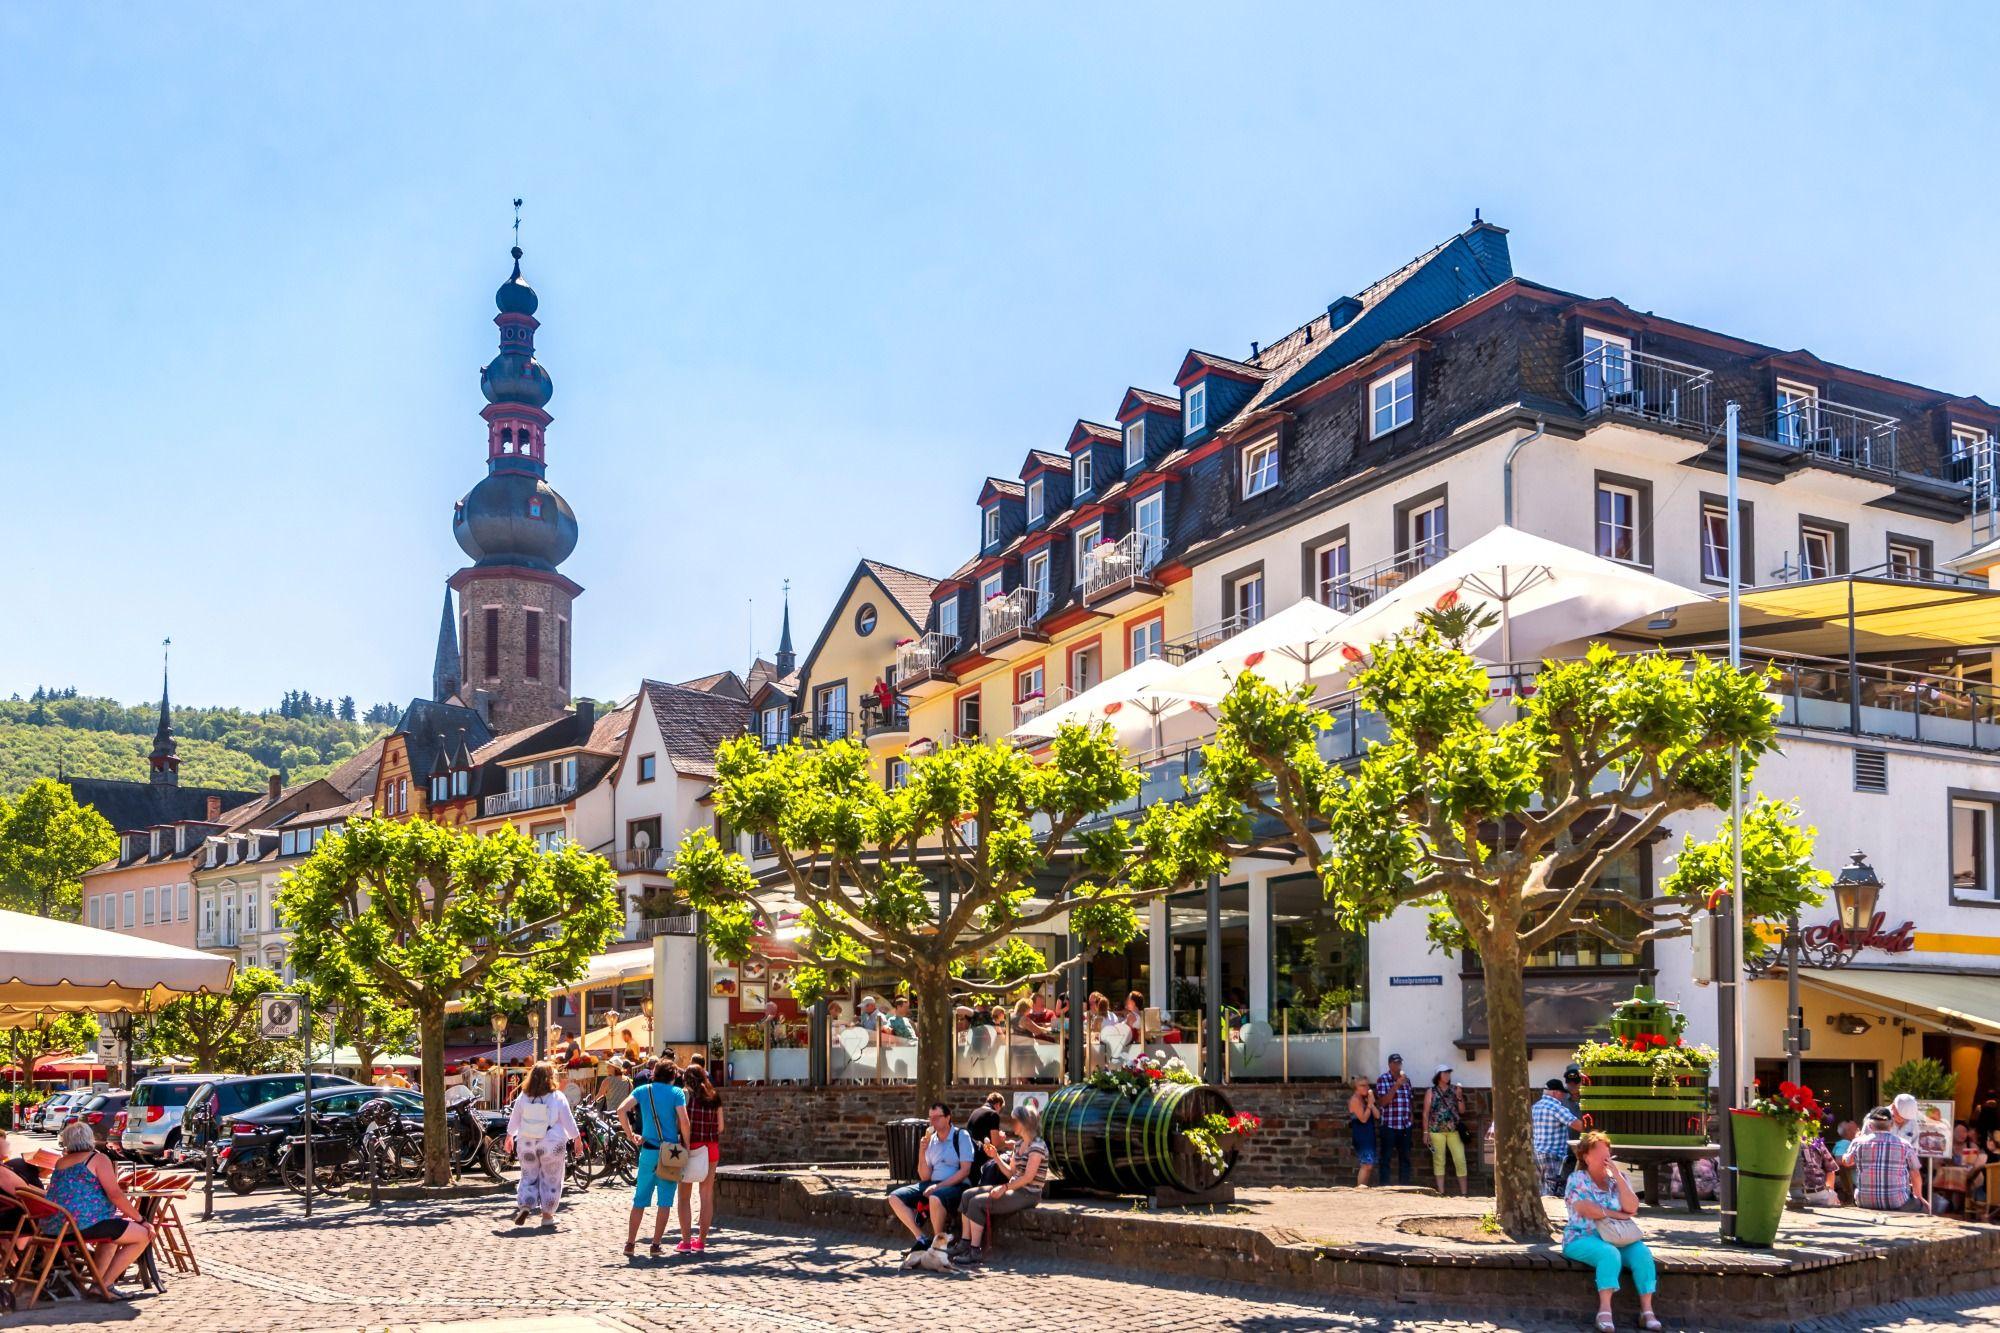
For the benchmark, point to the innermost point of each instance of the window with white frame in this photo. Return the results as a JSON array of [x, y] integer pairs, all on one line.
[[1149, 520], [896, 773], [1196, 403], [1148, 641], [1038, 579], [1715, 543], [773, 726], [1966, 442], [1972, 849], [1260, 466], [207, 916], [1331, 572], [993, 525], [1908, 559], [1079, 472], [1246, 600], [1798, 413], [1085, 669], [991, 586], [1819, 552], [1618, 522], [1607, 367], [1086, 538], [1392, 401], [151, 907], [1035, 500], [181, 897], [95, 910], [947, 620], [131, 905], [1424, 536], [965, 716], [1135, 443], [250, 909], [1029, 684]]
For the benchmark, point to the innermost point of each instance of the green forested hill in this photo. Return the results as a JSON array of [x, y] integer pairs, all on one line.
[[80, 736]]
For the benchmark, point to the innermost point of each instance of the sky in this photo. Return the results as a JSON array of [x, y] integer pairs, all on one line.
[[809, 274]]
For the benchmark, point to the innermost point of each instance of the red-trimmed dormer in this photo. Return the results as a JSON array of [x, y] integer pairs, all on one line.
[[1151, 427], [1002, 514], [1213, 389], [1045, 486], [1096, 453]]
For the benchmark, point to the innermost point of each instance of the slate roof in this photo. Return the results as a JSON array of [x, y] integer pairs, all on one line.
[[129, 805], [911, 591], [693, 723], [356, 774], [727, 682], [1054, 462], [1210, 361], [431, 726], [1002, 486], [1094, 430], [1148, 398]]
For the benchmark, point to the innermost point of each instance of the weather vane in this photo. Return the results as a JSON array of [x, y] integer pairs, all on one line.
[[517, 224]]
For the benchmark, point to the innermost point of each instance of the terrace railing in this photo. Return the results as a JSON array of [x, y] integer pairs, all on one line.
[[1840, 434], [1108, 565], [1619, 380]]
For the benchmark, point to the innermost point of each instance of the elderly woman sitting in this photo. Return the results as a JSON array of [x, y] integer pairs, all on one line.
[[1027, 1170], [83, 1181]]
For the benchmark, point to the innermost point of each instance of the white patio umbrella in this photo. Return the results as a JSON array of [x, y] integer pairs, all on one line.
[[1298, 644], [1546, 593], [48, 964], [1131, 701]]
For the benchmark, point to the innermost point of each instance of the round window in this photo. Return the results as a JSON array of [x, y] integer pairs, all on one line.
[[864, 620]]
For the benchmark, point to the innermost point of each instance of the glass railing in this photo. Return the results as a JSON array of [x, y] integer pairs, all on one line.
[[1007, 1050], [767, 1051], [857, 1054]]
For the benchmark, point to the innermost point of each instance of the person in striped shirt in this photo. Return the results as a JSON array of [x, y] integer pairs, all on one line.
[[1027, 1169]]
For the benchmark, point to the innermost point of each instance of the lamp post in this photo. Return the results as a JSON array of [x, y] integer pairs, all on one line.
[[499, 1040]]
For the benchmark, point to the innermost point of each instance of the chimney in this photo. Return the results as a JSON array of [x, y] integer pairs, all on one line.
[[275, 784], [214, 808], [586, 718]]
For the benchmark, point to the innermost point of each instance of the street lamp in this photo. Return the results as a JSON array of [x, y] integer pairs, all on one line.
[[499, 1036], [1856, 890]]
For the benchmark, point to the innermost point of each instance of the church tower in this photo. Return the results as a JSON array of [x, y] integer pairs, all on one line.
[[514, 604], [164, 762]]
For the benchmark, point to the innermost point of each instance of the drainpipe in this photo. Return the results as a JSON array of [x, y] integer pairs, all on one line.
[[1507, 471]]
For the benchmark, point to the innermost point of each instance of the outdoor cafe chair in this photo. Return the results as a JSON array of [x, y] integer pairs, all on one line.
[[36, 1257], [159, 1196]]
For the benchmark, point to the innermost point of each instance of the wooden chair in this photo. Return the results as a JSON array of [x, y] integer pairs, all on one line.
[[1987, 1209], [159, 1203], [36, 1261]]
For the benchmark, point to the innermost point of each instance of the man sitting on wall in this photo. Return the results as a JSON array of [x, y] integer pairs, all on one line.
[[944, 1170], [1888, 1174]]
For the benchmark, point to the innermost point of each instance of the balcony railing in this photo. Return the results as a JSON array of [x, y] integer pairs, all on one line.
[[924, 657], [527, 798], [1010, 614], [640, 858], [1111, 565], [879, 721], [1027, 710], [673, 923], [1620, 380], [1840, 434], [1190, 646], [1351, 592]]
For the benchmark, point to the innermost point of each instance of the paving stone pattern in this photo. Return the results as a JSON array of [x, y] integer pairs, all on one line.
[[458, 1265]]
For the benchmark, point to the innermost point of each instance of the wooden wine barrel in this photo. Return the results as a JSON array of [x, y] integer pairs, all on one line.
[[1621, 1101], [1128, 1144]]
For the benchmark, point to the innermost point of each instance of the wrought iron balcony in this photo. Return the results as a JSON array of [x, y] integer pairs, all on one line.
[[921, 661], [1111, 567], [1353, 591], [1190, 646], [640, 858], [1011, 616], [1845, 435], [1027, 710], [527, 798], [879, 721], [1619, 380]]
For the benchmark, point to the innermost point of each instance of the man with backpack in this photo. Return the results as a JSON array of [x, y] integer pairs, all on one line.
[[944, 1170]]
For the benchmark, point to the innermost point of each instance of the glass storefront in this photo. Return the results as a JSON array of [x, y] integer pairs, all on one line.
[[1319, 968]]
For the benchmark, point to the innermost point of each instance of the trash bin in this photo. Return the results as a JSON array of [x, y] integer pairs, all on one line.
[[904, 1138]]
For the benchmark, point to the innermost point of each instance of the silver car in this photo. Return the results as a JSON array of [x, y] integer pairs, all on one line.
[[53, 1111], [153, 1116]]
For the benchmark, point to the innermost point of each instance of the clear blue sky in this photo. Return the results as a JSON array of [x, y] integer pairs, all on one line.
[[809, 273]]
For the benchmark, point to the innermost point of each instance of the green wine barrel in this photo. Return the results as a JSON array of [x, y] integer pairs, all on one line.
[[1621, 1101], [1121, 1144]]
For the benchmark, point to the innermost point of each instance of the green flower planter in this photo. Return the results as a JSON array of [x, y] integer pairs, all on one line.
[[1621, 1101], [1122, 1144], [1765, 1159]]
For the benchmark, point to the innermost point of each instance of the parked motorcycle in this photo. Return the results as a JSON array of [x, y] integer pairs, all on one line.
[[336, 1152]]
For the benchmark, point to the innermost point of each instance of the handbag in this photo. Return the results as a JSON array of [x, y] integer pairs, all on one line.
[[1619, 1231], [672, 1161], [696, 1168]]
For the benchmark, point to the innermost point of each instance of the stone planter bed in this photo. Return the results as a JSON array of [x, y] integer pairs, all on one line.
[[1369, 1245]]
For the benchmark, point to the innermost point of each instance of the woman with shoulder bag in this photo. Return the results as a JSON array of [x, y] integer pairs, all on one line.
[[704, 1120], [656, 1120], [1602, 1233], [540, 1126], [1444, 1128]]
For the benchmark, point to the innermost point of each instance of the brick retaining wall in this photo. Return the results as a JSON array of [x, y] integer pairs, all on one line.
[[1304, 1140]]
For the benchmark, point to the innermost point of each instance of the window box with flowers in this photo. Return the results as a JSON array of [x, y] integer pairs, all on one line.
[[1646, 1086]]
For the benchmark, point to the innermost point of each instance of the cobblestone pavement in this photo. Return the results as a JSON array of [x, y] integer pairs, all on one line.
[[461, 1267]]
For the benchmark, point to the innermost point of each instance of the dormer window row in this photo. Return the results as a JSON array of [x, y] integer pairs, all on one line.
[[1135, 443]]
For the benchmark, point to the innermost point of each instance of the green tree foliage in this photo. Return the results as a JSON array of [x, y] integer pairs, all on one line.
[[1925, 1079], [52, 1033], [429, 914], [1505, 829], [363, 1017], [925, 884], [47, 841], [219, 1031], [62, 731]]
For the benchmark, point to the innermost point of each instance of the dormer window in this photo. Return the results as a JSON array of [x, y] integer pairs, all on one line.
[[1195, 404], [1392, 401], [1260, 466], [1135, 443], [993, 525], [1798, 412], [1035, 500], [1080, 471]]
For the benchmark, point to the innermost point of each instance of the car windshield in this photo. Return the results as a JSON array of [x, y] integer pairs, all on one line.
[[163, 1094]]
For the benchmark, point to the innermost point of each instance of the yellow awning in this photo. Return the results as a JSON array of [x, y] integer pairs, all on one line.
[[1948, 1001], [1890, 616]]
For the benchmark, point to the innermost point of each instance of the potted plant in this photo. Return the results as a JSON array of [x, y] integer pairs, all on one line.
[[1768, 1135], [1646, 1086]]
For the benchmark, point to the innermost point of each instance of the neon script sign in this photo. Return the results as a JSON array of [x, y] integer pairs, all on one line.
[[1834, 935]]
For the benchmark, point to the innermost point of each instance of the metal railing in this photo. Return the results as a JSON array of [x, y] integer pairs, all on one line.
[[1111, 565], [640, 858], [1190, 646], [528, 798], [671, 923], [1620, 380], [923, 657], [1027, 710], [1840, 434], [879, 721], [1354, 591], [1009, 614]]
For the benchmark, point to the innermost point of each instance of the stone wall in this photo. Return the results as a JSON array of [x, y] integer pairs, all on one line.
[[1304, 1140]]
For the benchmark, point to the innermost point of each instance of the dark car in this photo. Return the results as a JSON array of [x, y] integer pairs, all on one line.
[[233, 1094], [251, 1138], [101, 1112]]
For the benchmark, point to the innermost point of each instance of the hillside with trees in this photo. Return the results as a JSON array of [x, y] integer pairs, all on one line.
[[61, 731]]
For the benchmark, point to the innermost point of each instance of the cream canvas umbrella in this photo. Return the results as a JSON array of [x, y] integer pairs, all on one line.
[[59, 965], [1137, 700], [1546, 594], [1301, 643]]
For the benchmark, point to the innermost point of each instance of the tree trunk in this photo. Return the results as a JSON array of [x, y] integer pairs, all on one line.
[[1517, 1186], [364, 1057], [437, 1131], [934, 1036]]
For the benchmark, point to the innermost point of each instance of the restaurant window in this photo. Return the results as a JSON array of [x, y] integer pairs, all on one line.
[[1624, 519], [1190, 971], [1972, 850], [1319, 967]]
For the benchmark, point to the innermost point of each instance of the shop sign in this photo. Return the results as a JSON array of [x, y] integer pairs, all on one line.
[[1434, 979], [1833, 935]]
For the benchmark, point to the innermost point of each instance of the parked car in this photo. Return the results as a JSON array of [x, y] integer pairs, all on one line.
[[153, 1116], [100, 1111], [226, 1095], [48, 1116]]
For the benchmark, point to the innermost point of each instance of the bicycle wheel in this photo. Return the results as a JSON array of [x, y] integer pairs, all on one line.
[[582, 1167]]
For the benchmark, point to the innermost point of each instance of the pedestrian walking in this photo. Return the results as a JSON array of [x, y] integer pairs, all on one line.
[[540, 1129], [1444, 1128], [653, 1116], [1392, 1099], [704, 1118]]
